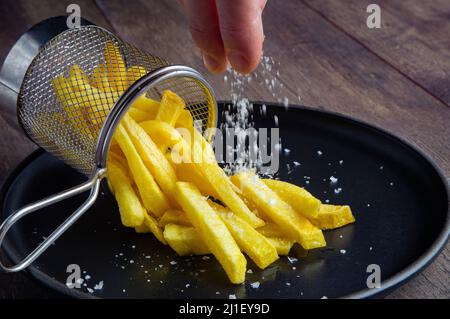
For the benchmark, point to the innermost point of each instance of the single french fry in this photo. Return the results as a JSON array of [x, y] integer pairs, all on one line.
[[173, 216], [299, 198], [171, 107], [187, 172], [152, 224], [146, 104], [152, 197], [166, 136], [282, 245], [271, 230], [152, 157], [139, 115], [99, 78], [185, 120], [131, 211], [117, 72], [185, 240], [212, 230], [295, 225], [134, 73], [332, 216], [255, 245]]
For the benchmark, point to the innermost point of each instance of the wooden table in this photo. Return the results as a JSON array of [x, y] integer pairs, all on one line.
[[397, 77]]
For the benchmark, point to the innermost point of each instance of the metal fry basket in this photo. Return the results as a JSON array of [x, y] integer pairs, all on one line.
[[66, 132]]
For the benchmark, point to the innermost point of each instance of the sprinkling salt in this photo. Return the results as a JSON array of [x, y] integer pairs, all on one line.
[[341, 162], [124, 291], [255, 284], [288, 284], [319, 153], [338, 190], [368, 205], [173, 262], [131, 261], [333, 179], [217, 293], [296, 163], [342, 251], [205, 257], [327, 201], [370, 248], [188, 285], [90, 290], [324, 297], [232, 297], [287, 151], [391, 183], [249, 271], [87, 277], [275, 118], [381, 167]]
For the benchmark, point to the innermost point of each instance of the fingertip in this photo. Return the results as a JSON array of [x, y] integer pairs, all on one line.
[[243, 63], [213, 64]]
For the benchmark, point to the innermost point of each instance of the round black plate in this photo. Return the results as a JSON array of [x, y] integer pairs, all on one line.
[[397, 194]]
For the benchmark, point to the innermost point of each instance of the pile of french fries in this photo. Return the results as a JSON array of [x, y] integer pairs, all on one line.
[[188, 202]]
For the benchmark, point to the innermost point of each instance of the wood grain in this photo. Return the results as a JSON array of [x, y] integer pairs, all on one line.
[[319, 65], [414, 36]]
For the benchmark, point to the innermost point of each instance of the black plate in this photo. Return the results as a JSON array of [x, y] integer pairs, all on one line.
[[398, 196]]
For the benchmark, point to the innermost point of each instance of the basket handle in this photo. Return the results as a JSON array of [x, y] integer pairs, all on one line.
[[92, 184]]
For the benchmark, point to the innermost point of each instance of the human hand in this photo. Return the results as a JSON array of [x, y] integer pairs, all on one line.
[[227, 30]]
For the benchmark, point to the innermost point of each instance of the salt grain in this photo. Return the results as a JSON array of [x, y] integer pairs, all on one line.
[[255, 284], [232, 297], [333, 179], [342, 251]]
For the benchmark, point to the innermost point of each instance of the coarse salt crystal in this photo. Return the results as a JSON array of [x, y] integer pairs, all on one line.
[[232, 297], [249, 271], [319, 153], [255, 284], [99, 286], [292, 259], [205, 257], [338, 190], [343, 251], [333, 179], [173, 262], [90, 290]]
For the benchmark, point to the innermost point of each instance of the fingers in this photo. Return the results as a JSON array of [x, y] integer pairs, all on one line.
[[204, 26], [241, 30]]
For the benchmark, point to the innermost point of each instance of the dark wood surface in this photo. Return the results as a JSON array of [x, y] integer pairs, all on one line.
[[396, 77]]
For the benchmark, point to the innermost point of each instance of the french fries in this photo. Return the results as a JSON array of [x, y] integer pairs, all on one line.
[[131, 211], [255, 245], [300, 199], [153, 198], [212, 230], [293, 224], [166, 180]]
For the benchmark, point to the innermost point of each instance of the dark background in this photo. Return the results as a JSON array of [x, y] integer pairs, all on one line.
[[396, 77]]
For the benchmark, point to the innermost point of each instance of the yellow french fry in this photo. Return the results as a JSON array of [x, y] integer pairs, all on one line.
[[174, 216], [115, 66], [166, 136], [185, 120], [185, 240], [146, 104], [131, 211], [212, 230], [187, 172], [282, 245], [271, 230], [152, 197], [134, 73], [299, 198], [255, 245], [152, 224], [156, 162], [332, 216], [139, 115], [171, 107], [267, 201], [99, 78]]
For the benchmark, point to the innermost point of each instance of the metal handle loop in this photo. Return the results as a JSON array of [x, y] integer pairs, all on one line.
[[93, 184]]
